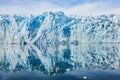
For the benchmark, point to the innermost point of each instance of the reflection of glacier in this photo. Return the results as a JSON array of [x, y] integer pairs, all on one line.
[[56, 59], [47, 26]]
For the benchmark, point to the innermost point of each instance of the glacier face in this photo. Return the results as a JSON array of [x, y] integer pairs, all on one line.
[[55, 43], [33, 29]]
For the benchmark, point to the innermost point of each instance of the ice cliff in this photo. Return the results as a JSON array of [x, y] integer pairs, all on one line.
[[49, 27]]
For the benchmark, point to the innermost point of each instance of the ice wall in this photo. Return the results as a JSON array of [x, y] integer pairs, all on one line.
[[51, 27]]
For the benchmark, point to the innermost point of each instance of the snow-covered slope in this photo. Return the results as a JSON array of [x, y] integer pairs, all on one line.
[[49, 27]]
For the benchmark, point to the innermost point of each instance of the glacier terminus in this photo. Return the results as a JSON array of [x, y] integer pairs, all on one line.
[[40, 29]]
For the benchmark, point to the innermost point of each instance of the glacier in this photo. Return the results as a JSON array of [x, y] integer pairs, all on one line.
[[54, 43], [33, 29]]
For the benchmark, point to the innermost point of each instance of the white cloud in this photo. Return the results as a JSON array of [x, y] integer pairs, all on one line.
[[37, 8]]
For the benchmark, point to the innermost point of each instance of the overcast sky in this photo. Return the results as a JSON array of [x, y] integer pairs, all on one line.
[[69, 7]]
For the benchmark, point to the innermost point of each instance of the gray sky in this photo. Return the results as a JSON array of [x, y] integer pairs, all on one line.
[[69, 7]]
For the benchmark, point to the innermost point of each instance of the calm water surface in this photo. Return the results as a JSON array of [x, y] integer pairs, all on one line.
[[58, 59]]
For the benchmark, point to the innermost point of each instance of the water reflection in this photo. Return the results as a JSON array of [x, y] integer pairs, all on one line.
[[58, 59]]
